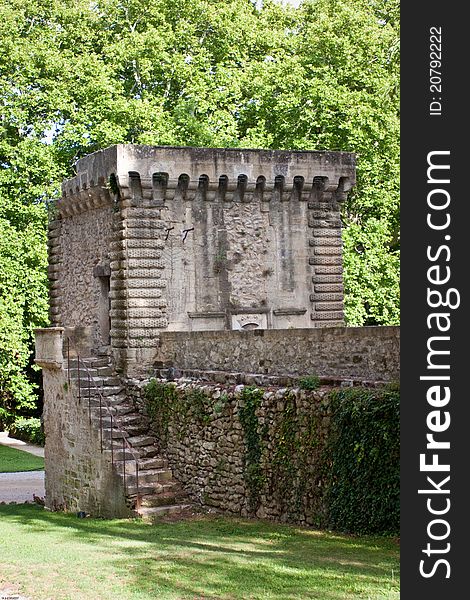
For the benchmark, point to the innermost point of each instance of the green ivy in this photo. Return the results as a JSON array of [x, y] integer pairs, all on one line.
[[284, 466], [198, 404], [253, 472], [362, 492], [310, 382], [160, 397], [296, 466], [167, 405]]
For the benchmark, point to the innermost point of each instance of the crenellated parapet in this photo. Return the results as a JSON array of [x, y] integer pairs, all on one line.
[[153, 175]]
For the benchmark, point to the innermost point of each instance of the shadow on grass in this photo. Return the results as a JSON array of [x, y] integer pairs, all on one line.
[[226, 558]]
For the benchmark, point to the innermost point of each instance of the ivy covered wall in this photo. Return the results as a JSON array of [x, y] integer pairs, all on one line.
[[309, 455]]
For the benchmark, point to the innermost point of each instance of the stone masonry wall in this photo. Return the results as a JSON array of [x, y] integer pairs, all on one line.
[[243, 453], [361, 353], [321, 456], [78, 476], [79, 243]]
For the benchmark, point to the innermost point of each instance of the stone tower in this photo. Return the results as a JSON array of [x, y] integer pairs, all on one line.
[[147, 239]]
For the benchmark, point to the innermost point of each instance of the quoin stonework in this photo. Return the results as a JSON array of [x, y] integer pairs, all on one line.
[[223, 252]]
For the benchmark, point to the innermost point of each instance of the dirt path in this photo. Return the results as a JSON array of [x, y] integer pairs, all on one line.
[[6, 440], [21, 487]]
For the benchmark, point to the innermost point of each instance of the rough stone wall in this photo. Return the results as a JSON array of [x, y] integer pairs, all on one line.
[[263, 461], [78, 476], [362, 353], [79, 242]]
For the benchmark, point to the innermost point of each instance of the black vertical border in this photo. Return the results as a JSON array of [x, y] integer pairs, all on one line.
[[422, 133]]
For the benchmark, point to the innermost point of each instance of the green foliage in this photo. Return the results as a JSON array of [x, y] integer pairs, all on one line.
[[296, 462], [28, 430], [221, 403], [23, 304], [199, 404], [166, 404], [251, 398], [363, 460], [284, 459], [310, 382]]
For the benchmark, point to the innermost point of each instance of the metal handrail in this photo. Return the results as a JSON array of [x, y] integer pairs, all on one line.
[[113, 423]]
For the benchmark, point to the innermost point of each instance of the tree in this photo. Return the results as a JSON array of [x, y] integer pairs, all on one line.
[[76, 76], [23, 306]]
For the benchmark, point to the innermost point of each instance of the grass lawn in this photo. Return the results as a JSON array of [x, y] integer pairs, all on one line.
[[53, 556], [13, 460]]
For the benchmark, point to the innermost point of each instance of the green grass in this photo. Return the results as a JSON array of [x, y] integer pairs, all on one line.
[[55, 556], [13, 460]]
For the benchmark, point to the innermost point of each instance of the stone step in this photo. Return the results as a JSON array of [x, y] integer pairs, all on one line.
[[113, 390], [97, 361], [116, 433], [74, 372], [150, 514], [144, 490], [129, 430], [123, 421], [117, 400], [153, 463], [148, 477], [84, 387], [96, 381], [104, 392], [102, 351], [108, 367], [159, 488], [144, 465], [140, 452], [106, 371], [90, 363], [118, 455], [108, 409], [134, 430], [141, 440], [162, 499], [146, 452], [94, 401]]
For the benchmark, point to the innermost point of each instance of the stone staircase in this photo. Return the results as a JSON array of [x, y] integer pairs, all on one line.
[[151, 490]]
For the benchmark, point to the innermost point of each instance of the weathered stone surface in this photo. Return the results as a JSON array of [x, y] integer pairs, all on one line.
[[83, 246], [79, 477], [209, 456], [324, 352]]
